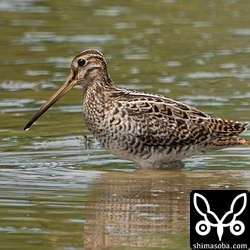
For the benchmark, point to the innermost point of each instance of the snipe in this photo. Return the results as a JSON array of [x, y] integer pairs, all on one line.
[[150, 130]]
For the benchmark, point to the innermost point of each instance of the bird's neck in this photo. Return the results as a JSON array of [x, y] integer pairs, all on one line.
[[98, 81], [99, 85], [95, 101]]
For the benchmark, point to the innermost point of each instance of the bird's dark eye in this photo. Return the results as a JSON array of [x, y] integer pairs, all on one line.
[[81, 62]]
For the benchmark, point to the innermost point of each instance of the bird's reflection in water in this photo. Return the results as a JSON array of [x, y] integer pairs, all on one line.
[[146, 209]]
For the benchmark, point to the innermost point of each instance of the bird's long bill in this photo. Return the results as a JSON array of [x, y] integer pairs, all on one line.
[[68, 85]]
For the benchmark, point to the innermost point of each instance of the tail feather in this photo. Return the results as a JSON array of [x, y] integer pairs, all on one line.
[[228, 141], [247, 143], [228, 126]]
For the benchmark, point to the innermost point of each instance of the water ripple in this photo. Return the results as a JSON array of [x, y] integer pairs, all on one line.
[[31, 38], [213, 75], [24, 6]]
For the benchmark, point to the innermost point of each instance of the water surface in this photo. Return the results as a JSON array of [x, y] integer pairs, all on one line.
[[59, 189]]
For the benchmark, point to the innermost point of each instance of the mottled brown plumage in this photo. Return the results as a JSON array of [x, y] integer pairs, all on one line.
[[148, 129]]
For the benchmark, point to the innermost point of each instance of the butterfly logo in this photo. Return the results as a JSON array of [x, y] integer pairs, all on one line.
[[210, 219]]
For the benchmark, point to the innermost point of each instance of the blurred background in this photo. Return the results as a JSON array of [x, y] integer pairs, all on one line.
[[59, 189]]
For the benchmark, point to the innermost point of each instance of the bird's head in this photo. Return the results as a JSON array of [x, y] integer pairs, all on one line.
[[84, 67]]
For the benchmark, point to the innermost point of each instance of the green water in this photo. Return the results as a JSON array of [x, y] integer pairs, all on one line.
[[59, 189]]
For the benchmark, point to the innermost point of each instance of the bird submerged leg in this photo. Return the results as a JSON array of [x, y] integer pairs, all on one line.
[[173, 165]]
